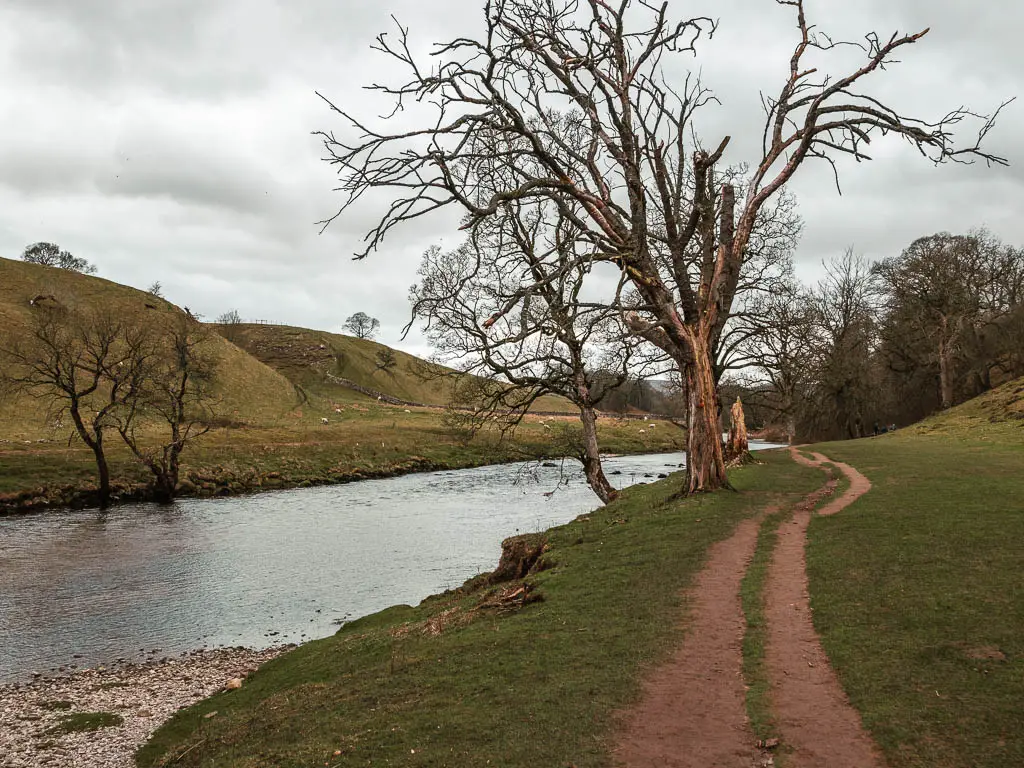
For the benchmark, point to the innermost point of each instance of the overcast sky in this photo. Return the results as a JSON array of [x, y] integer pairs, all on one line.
[[170, 139]]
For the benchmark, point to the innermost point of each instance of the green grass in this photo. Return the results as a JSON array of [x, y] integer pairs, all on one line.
[[82, 722], [916, 588], [755, 673], [537, 686]]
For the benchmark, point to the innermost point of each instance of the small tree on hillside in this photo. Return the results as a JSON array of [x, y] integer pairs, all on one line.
[[156, 289], [176, 390], [362, 326], [51, 255], [86, 364], [386, 359]]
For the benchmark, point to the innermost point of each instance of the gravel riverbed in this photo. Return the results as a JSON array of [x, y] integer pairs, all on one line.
[[144, 695]]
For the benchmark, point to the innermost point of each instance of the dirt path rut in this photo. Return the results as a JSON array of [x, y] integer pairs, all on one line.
[[816, 721], [692, 713]]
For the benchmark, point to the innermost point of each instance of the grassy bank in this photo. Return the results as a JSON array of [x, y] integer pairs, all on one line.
[[369, 440], [454, 682], [916, 589]]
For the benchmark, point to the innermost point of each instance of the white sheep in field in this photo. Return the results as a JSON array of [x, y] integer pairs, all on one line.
[[323, 420], [643, 431]]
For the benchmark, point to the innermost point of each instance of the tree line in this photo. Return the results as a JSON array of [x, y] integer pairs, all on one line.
[[887, 343]]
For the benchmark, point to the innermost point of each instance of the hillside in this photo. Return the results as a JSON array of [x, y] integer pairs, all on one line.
[[314, 361], [248, 391], [1003, 405]]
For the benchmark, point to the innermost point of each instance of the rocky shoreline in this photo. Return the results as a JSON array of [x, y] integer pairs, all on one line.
[[142, 696]]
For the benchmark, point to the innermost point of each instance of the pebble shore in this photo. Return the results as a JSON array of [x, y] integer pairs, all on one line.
[[144, 694]]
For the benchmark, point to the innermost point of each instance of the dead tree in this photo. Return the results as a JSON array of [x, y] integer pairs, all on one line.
[[738, 445], [86, 364], [643, 196]]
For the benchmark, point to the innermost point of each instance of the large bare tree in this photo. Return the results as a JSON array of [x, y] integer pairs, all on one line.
[[641, 189]]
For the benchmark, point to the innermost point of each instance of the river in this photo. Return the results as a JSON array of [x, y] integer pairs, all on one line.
[[82, 588]]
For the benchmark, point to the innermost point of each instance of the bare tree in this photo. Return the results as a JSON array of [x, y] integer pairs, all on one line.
[[548, 342], [776, 351], [51, 255], [362, 326], [643, 195], [156, 289], [231, 317], [175, 389], [86, 364], [229, 324]]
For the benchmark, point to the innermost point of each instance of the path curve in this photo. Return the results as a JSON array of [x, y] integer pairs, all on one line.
[[859, 485], [692, 713], [816, 720]]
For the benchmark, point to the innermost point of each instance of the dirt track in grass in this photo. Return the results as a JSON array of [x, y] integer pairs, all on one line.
[[692, 709]]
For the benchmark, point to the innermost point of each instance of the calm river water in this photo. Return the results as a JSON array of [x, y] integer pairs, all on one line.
[[78, 587]]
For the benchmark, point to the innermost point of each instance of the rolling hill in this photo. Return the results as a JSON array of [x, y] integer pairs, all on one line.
[[325, 366], [249, 391], [267, 375]]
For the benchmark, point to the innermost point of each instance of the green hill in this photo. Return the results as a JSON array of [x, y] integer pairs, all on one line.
[[248, 391], [1002, 406], [318, 363]]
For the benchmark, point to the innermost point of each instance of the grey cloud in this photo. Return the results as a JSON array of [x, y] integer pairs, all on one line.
[[169, 140]]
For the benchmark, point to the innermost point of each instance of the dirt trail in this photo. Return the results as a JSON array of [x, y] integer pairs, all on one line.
[[692, 713], [859, 485], [816, 721]]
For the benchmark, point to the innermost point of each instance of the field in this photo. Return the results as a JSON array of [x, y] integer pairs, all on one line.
[[915, 590]]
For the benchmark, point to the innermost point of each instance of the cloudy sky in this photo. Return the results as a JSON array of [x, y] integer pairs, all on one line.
[[170, 139]]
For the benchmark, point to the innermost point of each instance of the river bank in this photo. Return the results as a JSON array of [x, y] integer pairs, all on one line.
[[34, 716], [377, 442]]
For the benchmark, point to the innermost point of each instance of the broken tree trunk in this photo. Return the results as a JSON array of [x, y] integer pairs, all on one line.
[[738, 446]]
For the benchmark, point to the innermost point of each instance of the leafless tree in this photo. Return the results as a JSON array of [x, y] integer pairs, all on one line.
[[156, 289], [175, 389], [777, 351], [547, 341], [52, 255], [83, 363], [362, 326], [641, 190]]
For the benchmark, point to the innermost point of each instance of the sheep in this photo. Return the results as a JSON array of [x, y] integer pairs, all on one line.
[[323, 419], [643, 431]]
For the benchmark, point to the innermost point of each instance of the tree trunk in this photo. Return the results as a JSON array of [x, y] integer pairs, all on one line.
[[705, 462], [738, 442], [592, 458], [104, 473], [945, 368]]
